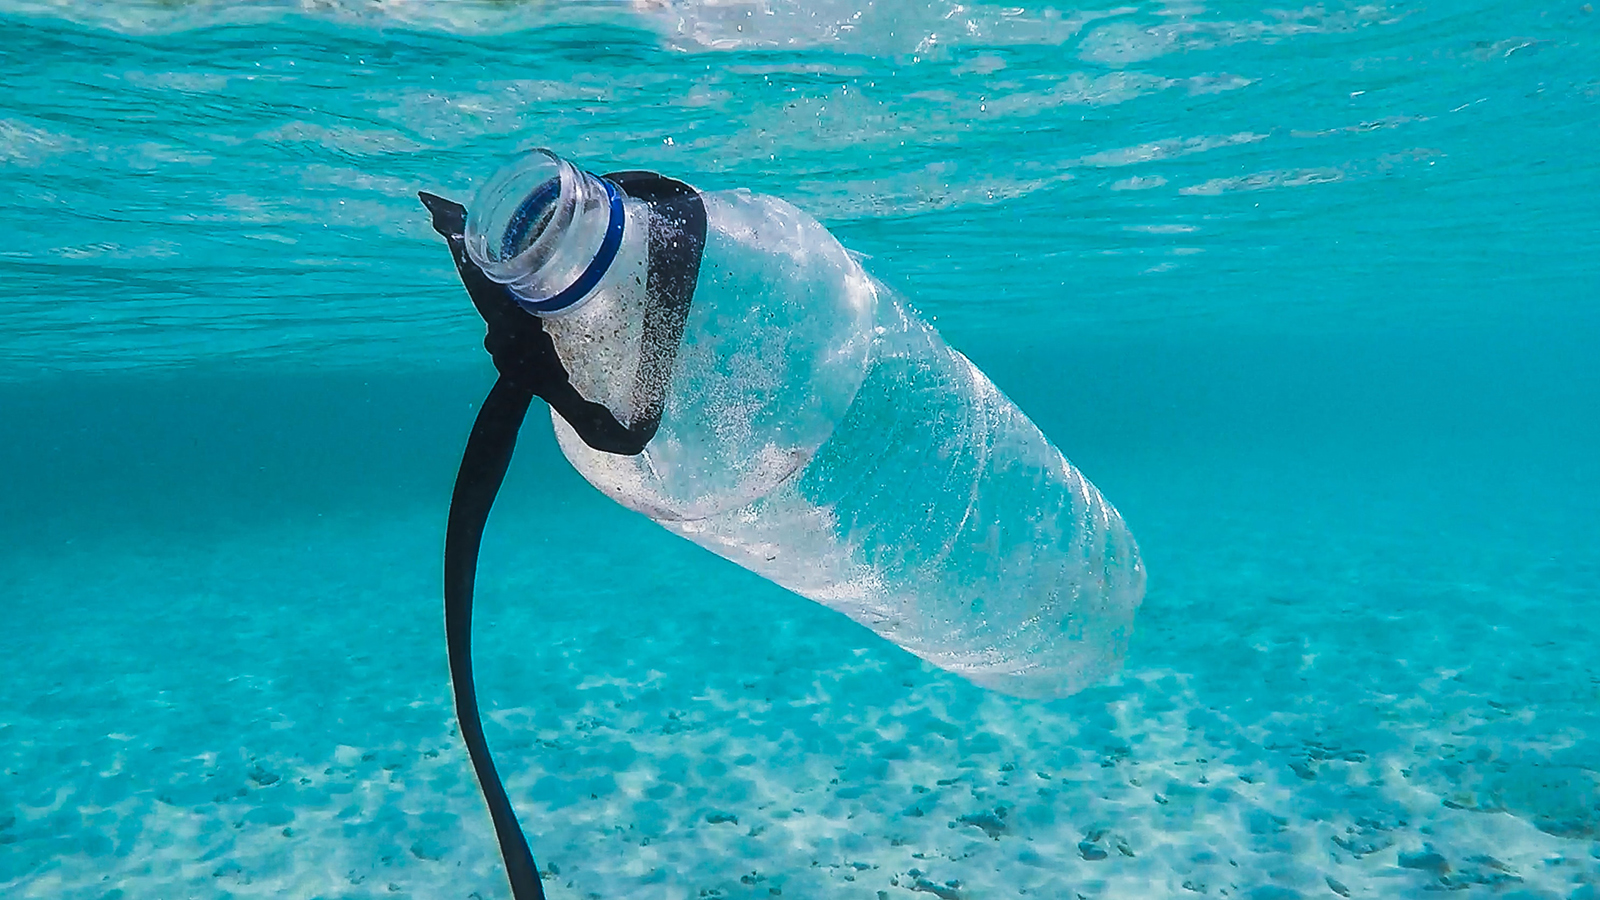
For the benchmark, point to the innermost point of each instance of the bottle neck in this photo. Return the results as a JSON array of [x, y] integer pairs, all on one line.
[[546, 230]]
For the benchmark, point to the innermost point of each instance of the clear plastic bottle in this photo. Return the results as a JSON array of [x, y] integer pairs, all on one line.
[[820, 434]]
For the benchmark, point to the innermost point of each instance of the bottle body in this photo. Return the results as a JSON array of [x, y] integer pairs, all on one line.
[[775, 346], [820, 434]]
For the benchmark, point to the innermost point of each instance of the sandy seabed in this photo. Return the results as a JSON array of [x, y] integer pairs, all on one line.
[[1339, 686]]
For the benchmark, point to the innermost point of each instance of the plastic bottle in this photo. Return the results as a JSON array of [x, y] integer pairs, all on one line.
[[817, 432]]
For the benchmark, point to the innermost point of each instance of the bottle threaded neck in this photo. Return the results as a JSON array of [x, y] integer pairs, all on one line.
[[546, 230]]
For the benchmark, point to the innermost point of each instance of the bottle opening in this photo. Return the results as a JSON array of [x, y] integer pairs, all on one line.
[[546, 230], [530, 219]]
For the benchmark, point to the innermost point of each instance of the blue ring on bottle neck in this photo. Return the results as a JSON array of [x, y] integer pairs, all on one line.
[[528, 213]]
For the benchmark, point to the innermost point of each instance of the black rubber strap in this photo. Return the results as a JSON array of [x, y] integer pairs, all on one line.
[[483, 468], [529, 366], [677, 242], [524, 353]]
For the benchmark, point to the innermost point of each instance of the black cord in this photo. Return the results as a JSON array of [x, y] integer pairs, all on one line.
[[483, 469], [529, 366]]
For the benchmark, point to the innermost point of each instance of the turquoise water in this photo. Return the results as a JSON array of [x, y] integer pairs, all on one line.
[[1312, 295]]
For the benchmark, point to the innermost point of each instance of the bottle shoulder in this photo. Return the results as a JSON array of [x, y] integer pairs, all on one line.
[[761, 222]]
